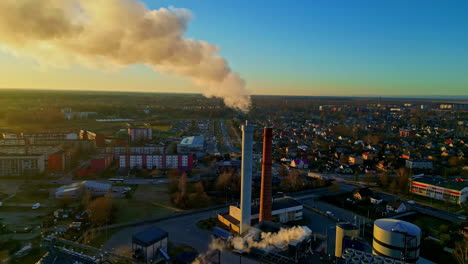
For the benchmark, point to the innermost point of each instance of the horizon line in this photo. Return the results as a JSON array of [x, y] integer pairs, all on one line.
[[414, 96]]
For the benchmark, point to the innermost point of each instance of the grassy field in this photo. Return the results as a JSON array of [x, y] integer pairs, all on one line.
[[33, 193], [147, 201]]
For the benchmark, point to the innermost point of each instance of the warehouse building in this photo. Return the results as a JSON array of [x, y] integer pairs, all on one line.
[[76, 190], [193, 144], [21, 164], [156, 161], [284, 210], [453, 190]]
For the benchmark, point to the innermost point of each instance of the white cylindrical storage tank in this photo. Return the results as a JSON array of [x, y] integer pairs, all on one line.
[[344, 230], [396, 239]]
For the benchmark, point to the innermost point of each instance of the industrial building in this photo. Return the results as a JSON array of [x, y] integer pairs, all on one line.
[[150, 245], [76, 190], [189, 145], [453, 190], [21, 164], [139, 132], [283, 210], [156, 161], [396, 239], [345, 233]]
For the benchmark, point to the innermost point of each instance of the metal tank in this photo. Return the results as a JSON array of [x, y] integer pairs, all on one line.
[[396, 239]]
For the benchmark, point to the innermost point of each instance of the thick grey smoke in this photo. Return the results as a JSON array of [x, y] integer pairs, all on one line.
[[118, 33]]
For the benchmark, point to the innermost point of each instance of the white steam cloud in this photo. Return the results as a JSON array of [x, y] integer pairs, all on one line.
[[266, 241], [271, 240], [118, 33]]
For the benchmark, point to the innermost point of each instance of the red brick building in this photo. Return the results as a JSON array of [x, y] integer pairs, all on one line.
[[407, 133]]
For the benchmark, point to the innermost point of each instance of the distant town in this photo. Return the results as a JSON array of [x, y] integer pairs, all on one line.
[[109, 177]]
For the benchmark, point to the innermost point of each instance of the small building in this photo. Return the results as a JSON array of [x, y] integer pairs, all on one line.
[[396, 206], [355, 160], [190, 145], [424, 164], [300, 163], [362, 193], [375, 199], [407, 133], [284, 210], [150, 245]]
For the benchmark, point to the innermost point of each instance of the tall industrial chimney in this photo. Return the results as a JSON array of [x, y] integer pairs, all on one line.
[[265, 192], [246, 177]]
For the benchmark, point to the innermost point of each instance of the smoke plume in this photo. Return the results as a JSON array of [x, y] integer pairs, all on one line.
[[271, 240], [114, 34], [266, 241]]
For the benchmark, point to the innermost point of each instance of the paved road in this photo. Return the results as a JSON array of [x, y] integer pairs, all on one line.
[[182, 231], [425, 209]]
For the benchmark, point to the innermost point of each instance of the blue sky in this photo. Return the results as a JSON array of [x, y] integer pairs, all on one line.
[[300, 47], [380, 47]]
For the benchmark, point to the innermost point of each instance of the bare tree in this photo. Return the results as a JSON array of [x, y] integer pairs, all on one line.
[[461, 251], [99, 211]]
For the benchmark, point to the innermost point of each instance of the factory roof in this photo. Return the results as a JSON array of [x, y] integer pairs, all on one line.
[[193, 140], [399, 226], [149, 236], [278, 204], [441, 182]]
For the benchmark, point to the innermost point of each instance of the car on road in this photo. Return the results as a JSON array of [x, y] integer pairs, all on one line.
[[411, 202], [330, 213], [36, 206]]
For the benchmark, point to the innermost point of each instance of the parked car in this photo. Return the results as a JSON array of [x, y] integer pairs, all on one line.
[[36, 206]]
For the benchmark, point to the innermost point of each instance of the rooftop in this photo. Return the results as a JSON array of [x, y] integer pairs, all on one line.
[[441, 182], [193, 140], [149, 236]]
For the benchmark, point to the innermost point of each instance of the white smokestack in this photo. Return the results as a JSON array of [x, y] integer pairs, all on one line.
[[246, 177], [118, 33]]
